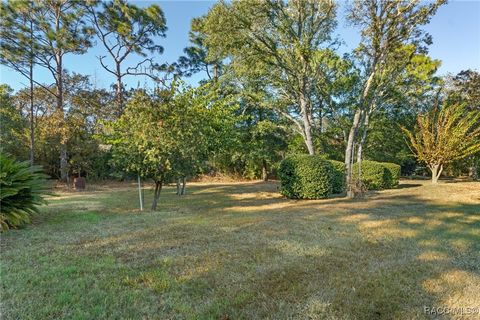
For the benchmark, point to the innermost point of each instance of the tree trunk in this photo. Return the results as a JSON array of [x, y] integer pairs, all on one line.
[[32, 127], [354, 129], [307, 126], [140, 193], [436, 172], [349, 151], [215, 71], [264, 170], [184, 186], [119, 90], [364, 137], [156, 194], [178, 186], [32, 133], [63, 138]]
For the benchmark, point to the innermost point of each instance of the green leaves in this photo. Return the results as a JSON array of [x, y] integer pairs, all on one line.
[[170, 133], [22, 190]]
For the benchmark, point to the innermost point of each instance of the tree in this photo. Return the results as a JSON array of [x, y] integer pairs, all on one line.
[[168, 135], [387, 27], [12, 124], [464, 87], [59, 30], [125, 29], [280, 38], [196, 58], [445, 134], [17, 40]]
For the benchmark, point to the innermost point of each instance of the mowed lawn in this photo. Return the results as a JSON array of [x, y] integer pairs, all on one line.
[[241, 251]]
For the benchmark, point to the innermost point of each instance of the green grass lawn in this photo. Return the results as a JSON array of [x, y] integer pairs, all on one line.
[[241, 251]]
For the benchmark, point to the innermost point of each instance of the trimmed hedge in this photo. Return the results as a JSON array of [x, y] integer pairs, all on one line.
[[338, 183], [378, 175], [394, 170], [306, 177]]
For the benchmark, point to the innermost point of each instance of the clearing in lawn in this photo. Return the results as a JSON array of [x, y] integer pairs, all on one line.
[[241, 251]]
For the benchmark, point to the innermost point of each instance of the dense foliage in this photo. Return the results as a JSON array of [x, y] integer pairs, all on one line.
[[338, 179], [272, 81], [377, 175], [394, 174], [21, 191], [306, 177]]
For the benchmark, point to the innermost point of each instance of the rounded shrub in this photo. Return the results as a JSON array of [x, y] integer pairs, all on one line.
[[306, 177], [22, 189], [394, 175], [374, 174], [338, 183]]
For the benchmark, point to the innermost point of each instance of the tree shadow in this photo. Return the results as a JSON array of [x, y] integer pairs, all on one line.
[[243, 251]]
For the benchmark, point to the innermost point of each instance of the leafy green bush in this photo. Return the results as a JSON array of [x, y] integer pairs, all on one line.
[[338, 183], [21, 191], [374, 174], [306, 177], [378, 175], [394, 170]]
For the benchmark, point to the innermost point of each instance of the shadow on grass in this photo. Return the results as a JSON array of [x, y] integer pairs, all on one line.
[[243, 251]]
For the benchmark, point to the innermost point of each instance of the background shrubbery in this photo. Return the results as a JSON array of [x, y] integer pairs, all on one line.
[[21, 190], [314, 177]]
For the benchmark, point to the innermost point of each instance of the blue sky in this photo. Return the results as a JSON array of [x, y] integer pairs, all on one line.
[[455, 30]]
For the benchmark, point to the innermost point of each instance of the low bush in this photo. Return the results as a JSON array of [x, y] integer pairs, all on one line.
[[378, 175], [22, 189], [338, 183], [374, 174], [394, 170], [306, 177]]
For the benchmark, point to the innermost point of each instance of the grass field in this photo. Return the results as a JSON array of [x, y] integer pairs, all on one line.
[[241, 251]]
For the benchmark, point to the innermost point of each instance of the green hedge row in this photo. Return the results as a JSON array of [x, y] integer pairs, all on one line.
[[378, 175], [314, 177], [306, 177]]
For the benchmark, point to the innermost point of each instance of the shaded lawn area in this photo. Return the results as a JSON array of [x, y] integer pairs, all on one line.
[[241, 251]]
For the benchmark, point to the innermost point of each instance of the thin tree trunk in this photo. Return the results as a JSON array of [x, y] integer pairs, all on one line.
[[32, 133], [307, 127], [119, 90], [354, 130], [215, 71], [184, 186], [178, 186], [264, 170], [140, 193], [364, 136], [349, 150], [63, 138], [156, 194], [32, 127]]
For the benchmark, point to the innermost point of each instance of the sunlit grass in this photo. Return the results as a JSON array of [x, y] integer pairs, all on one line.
[[241, 251]]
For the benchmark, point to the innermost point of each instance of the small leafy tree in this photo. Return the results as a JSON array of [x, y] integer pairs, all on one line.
[[22, 189], [445, 134], [168, 134]]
